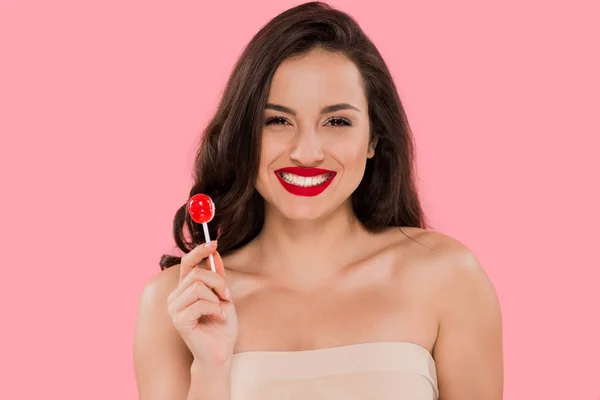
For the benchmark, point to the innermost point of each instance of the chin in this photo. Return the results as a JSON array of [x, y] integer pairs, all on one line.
[[301, 212], [302, 208]]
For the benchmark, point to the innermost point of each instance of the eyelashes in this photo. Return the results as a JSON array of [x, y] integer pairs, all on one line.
[[336, 122], [275, 121]]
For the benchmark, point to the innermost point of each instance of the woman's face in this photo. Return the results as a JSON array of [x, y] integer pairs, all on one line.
[[315, 137]]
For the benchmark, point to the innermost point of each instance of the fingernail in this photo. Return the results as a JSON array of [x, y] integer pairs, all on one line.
[[227, 295], [223, 314], [209, 244]]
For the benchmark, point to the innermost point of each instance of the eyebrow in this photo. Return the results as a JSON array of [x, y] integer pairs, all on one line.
[[325, 110]]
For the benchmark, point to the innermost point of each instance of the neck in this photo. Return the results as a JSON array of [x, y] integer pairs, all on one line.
[[307, 251]]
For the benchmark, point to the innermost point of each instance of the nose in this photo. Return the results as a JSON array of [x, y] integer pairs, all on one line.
[[307, 150]]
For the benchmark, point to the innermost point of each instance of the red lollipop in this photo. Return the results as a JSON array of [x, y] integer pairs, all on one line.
[[202, 210]]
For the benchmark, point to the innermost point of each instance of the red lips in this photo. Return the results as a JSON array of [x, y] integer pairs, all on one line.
[[308, 191], [306, 172]]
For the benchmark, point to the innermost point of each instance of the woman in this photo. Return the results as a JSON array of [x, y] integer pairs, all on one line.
[[328, 284]]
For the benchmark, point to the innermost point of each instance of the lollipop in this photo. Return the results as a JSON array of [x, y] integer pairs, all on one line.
[[202, 210]]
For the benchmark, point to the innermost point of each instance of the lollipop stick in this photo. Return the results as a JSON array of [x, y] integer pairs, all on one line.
[[210, 256]]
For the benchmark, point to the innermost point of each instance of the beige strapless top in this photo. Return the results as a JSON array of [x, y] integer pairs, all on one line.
[[370, 371]]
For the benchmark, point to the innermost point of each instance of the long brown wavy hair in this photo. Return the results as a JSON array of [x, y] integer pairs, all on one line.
[[226, 164]]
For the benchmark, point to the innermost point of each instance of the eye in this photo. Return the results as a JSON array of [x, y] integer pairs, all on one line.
[[338, 122], [276, 121]]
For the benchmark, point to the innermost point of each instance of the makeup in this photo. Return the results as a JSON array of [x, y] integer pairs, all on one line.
[[301, 181]]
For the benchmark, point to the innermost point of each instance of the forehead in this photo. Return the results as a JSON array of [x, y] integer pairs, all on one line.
[[317, 79]]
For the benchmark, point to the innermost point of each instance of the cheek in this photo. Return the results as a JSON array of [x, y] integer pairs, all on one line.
[[269, 152], [351, 154]]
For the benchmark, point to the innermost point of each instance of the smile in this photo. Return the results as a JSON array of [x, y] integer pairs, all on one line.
[[305, 181]]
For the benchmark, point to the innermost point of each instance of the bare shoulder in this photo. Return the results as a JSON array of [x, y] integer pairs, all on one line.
[[153, 312], [447, 270], [153, 300], [460, 272], [468, 311], [161, 284], [435, 241], [450, 261], [161, 358], [153, 305]]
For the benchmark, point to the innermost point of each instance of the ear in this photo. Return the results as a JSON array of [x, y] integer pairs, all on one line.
[[372, 146]]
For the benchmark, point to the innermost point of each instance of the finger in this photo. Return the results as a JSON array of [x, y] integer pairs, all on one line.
[[195, 311], [190, 260], [220, 267], [196, 291], [211, 279], [219, 264]]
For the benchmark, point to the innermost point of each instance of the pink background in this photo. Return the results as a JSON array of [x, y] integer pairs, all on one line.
[[101, 104]]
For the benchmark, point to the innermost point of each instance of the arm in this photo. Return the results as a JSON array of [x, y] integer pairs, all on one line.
[[468, 350], [161, 359], [164, 367]]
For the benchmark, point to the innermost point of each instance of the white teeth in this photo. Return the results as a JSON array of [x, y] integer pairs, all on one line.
[[304, 181]]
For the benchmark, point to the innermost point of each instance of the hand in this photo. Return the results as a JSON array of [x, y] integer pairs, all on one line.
[[202, 311]]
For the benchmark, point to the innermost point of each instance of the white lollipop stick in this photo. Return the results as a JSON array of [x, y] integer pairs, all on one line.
[[210, 256]]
